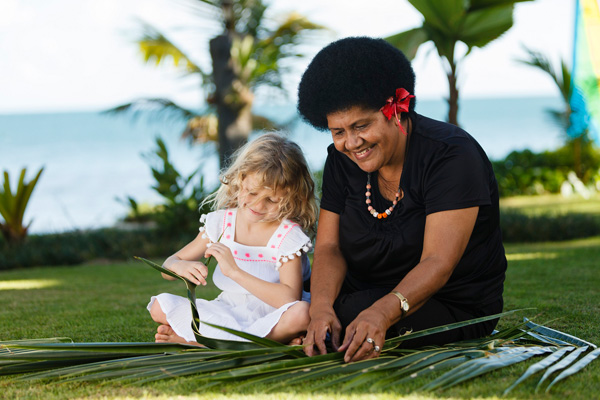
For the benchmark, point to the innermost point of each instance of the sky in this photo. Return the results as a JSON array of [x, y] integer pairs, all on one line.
[[80, 55]]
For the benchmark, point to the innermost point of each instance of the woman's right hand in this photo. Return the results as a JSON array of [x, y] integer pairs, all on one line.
[[322, 321], [194, 271]]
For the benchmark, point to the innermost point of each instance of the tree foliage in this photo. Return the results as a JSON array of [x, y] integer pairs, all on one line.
[[249, 52], [475, 23]]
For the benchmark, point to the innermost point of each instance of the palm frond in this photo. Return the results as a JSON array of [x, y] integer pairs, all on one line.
[[153, 108], [562, 364], [575, 368], [157, 48], [557, 336], [280, 365], [540, 366], [260, 361]]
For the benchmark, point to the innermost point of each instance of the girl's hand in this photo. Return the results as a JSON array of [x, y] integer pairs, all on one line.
[[194, 271], [224, 258], [365, 335]]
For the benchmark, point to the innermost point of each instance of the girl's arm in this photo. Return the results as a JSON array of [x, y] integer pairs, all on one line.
[[274, 294], [185, 263]]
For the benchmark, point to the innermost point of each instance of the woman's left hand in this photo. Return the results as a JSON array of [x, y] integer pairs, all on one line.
[[365, 335], [224, 258]]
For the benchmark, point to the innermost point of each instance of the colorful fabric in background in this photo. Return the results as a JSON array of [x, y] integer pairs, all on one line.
[[585, 84]]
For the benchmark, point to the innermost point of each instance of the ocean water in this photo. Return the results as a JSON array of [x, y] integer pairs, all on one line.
[[93, 161]]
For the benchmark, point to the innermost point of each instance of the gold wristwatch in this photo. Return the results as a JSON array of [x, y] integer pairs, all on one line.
[[404, 306]]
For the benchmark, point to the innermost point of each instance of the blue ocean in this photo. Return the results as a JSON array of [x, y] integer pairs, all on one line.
[[93, 161]]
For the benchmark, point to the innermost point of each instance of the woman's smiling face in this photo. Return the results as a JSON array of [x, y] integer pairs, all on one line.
[[366, 137]]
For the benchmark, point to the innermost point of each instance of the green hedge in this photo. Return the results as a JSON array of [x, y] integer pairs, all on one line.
[[519, 227], [114, 244], [78, 247]]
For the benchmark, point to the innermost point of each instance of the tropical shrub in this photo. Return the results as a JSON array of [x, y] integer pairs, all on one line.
[[525, 172], [12, 206], [182, 196]]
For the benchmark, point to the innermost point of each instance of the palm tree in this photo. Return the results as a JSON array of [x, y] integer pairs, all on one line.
[[562, 79], [245, 55], [475, 23]]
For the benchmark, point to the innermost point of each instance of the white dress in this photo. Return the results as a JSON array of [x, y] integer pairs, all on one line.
[[235, 307]]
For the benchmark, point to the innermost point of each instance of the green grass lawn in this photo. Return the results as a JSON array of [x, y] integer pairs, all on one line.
[[106, 302]]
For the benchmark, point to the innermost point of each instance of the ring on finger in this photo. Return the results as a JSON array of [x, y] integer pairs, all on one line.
[[370, 341], [376, 349]]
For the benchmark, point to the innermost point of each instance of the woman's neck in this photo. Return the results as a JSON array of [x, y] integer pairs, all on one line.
[[389, 176], [391, 172]]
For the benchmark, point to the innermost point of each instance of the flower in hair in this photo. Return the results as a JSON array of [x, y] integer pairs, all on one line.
[[397, 104]]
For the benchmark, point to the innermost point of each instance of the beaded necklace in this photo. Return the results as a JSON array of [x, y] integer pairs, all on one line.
[[371, 209], [399, 192]]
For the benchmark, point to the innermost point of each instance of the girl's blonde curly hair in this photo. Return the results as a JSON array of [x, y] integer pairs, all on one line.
[[279, 164]]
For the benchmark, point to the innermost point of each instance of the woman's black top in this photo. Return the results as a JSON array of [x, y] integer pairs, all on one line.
[[445, 169]]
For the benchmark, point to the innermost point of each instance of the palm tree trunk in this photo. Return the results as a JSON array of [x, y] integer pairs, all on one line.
[[453, 94], [233, 100]]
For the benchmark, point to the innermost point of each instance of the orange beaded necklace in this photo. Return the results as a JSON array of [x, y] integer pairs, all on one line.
[[372, 210], [399, 192]]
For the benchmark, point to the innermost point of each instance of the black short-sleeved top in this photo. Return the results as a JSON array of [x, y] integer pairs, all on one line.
[[445, 169]]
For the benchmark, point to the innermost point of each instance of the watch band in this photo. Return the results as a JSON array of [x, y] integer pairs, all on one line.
[[404, 306]]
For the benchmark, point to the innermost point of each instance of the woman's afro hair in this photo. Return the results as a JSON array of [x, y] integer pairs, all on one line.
[[354, 71]]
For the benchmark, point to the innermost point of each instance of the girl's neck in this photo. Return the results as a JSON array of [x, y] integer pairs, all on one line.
[[252, 233]]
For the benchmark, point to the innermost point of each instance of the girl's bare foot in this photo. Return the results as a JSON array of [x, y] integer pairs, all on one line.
[[296, 341], [166, 334]]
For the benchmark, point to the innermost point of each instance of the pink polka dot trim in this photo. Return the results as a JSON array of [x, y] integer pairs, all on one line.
[[285, 227], [228, 236], [279, 235], [229, 213], [272, 246], [260, 256], [235, 252], [229, 224], [247, 254]]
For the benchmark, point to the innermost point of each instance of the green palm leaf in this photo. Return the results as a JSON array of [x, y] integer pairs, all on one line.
[[557, 336], [500, 358], [352, 369], [539, 366], [444, 328], [565, 362], [576, 367]]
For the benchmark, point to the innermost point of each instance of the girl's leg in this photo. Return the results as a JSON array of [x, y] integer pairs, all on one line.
[[164, 332], [293, 323]]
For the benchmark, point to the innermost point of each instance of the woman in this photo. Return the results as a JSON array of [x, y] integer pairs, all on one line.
[[408, 235]]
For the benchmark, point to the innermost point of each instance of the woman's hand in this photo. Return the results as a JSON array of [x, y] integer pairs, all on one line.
[[193, 271], [224, 258], [365, 335], [322, 321]]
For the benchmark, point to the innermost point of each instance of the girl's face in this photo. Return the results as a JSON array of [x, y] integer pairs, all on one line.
[[258, 202], [366, 137]]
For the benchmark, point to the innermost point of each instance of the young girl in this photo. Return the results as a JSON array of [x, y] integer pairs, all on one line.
[[265, 205]]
